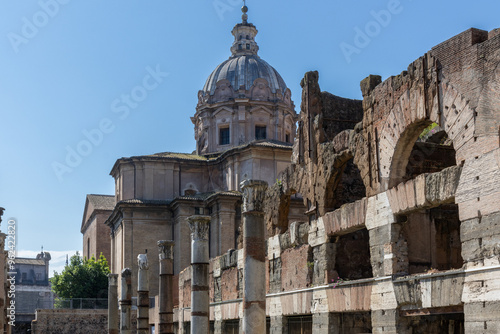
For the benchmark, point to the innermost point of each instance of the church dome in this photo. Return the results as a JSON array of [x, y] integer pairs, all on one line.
[[243, 70], [244, 99]]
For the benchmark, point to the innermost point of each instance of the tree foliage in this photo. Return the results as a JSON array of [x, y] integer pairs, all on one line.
[[82, 278]]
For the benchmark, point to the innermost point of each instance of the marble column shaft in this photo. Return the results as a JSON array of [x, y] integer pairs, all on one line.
[[199, 226], [166, 301], [142, 295], [126, 302], [113, 304], [254, 253]]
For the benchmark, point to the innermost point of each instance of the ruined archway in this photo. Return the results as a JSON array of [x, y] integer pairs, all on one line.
[[409, 118]]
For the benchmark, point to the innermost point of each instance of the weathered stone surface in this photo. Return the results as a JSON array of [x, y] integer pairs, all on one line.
[[295, 272], [480, 237], [412, 184], [428, 292], [70, 321], [323, 263], [440, 188], [349, 218]]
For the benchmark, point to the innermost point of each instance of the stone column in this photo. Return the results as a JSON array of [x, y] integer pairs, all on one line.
[[199, 226], [142, 295], [126, 302], [113, 304], [166, 302], [254, 253]]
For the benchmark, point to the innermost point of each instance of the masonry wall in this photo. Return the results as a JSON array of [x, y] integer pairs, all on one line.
[[418, 252], [70, 321], [96, 239]]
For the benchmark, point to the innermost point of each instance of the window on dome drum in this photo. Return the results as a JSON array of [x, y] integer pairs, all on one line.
[[240, 47], [260, 132], [248, 46], [248, 37], [224, 136], [287, 138]]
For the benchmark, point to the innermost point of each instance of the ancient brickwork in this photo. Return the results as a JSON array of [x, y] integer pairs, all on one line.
[[400, 193]]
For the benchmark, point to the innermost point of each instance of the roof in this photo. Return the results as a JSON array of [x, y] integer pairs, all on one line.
[[144, 202], [22, 260], [181, 156], [210, 157], [208, 195], [96, 203], [243, 70], [102, 202]]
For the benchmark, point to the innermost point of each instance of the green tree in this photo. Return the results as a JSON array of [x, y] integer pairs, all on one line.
[[82, 278]]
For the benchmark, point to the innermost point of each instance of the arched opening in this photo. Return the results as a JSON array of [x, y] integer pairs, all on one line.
[[432, 152], [345, 186], [424, 147], [297, 209], [430, 235], [291, 209]]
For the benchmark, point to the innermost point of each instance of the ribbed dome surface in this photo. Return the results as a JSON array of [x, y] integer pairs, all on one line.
[[243, 70]]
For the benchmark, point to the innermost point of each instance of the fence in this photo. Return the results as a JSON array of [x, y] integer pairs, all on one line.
[[74, 303]]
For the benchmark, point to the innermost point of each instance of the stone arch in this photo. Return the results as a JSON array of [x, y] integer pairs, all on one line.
[[409, 117]]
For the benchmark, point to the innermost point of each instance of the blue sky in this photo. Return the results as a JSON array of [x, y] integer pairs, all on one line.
[[65, 66]]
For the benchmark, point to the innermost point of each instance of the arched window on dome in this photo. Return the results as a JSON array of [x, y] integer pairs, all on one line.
[[248, 37]]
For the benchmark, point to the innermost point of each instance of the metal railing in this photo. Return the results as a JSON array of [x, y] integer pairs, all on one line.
[[74, 303]]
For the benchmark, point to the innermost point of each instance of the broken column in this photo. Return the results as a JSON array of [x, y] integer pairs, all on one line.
[[254, 253], [113, 304], [142, 295], [126, 302], [199, 226], [166, 302]]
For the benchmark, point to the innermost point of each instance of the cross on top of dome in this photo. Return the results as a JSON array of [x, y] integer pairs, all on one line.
[[244, 36]]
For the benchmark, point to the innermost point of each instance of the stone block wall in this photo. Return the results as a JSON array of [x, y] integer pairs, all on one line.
[[418, 249], [70, 321]]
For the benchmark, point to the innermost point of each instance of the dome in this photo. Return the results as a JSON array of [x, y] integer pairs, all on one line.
[[243, 70], [244, 99]]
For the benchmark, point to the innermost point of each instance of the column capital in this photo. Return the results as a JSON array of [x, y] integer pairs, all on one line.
[[113, 279], [166, 249], [142, 261], [199, 227], [254, 192]]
